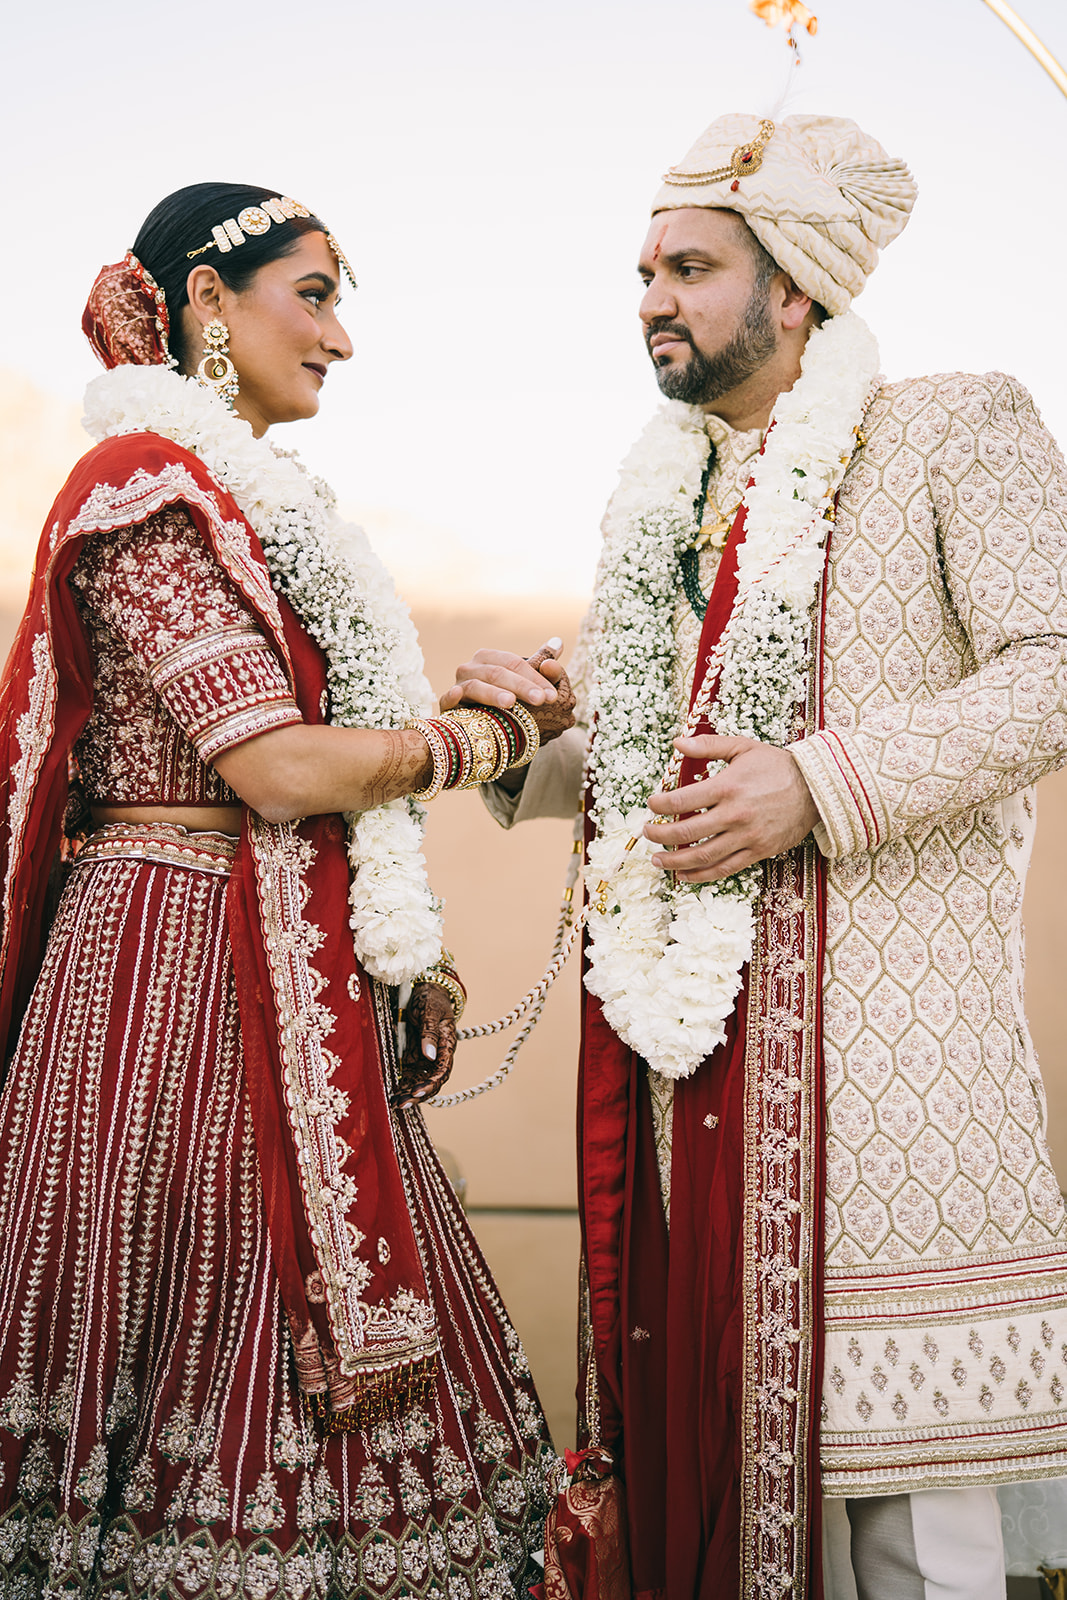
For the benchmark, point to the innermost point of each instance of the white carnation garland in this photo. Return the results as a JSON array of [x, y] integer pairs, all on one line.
[[345, 598], [666, 957]]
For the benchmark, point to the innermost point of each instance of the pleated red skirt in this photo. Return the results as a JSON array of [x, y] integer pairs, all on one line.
[[151, 1434]]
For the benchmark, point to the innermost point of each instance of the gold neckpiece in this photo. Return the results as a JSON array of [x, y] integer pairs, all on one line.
[[715, 530]]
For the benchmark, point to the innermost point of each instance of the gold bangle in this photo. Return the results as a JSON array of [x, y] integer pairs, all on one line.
[[449, 983], [490, 758], [439, 755], [530, 729]]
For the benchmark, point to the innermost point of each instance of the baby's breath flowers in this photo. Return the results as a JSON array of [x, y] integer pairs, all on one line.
[[345, 598], [666, 958]]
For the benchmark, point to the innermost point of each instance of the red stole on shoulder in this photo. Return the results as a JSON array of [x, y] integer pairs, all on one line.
[[708, 1340], [348, 1264]]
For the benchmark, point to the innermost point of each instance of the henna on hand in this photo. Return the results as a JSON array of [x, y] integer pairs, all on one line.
[[406, 765], [557, 715], [429, 1021]]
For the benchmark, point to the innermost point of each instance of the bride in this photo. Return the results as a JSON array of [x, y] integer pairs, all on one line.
[[248, 1345]]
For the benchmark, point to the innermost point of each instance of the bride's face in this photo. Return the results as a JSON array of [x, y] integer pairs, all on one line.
[[284, 334]]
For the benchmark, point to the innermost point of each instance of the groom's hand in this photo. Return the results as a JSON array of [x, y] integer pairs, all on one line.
[[499, 678], [756, 807]]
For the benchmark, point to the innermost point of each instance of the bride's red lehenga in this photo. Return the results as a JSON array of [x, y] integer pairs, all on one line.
[[248, 1344]]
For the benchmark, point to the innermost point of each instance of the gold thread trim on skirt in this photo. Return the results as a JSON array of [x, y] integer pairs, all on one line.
[[167, 843]]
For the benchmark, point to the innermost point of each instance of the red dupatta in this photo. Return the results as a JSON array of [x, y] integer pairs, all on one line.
[[347, 1261], [707, 1341]]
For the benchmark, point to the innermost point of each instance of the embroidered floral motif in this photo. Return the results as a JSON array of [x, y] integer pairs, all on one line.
[[517, 1357], [418, 1429], [450, 1475], [529, 1418], [177, 1437], [211, 1498], [263, 1508], [123, 1407], [491, 1440], [379, 1563], [37, 1476], [415, 1558], [20, 1408], [140, 1491], [291, 1448], [414, 1495], [373, 1502]]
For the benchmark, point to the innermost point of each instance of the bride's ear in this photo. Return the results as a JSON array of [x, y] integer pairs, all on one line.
[[204, 288]]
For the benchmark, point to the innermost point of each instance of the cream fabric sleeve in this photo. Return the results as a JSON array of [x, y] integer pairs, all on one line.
[[993, 486], [552, 783]]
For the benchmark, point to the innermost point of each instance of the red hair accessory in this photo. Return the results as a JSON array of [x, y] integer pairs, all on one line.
[[125, 318]]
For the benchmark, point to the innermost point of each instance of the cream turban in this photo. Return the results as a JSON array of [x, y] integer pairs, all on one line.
[[821, 196]]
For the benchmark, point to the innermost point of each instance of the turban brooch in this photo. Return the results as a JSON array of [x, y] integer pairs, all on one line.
[[821, 196]]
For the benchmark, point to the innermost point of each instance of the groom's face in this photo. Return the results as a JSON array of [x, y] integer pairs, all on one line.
[[706, 316]]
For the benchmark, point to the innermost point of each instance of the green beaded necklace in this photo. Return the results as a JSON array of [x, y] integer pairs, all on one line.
[[689, 560]]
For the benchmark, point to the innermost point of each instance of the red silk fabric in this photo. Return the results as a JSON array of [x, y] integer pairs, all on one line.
[[125, 317], [667, 1311], [45, 699]]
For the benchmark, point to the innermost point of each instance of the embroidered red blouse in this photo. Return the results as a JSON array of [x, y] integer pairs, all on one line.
[[181, 670]]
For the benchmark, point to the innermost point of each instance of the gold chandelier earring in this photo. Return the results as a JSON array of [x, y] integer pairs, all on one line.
[[216, 371]]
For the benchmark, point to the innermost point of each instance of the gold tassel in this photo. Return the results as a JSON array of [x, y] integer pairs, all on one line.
[[379, 1397]]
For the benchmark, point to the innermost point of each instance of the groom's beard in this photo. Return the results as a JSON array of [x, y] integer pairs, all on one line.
[[703, 379]]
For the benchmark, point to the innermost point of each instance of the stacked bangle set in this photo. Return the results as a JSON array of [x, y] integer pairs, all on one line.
[[444, 974], [475, 745]]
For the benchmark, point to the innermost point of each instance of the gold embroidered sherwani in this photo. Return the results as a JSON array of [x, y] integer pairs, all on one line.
[[945, 699]]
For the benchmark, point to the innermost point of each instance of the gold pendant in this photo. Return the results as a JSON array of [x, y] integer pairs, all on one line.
[[713, 533]]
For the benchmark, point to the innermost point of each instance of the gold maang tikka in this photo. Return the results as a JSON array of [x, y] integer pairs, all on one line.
[[216, 371]]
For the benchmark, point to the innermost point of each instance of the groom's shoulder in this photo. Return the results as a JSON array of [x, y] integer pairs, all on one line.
[[928, 408]]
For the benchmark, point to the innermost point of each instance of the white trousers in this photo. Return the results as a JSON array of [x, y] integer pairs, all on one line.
[[940, 1544]]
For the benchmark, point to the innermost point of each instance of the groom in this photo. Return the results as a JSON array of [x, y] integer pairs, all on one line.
[[826, 1252]]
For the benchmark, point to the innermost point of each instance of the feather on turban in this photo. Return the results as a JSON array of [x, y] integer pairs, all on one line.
[[821, 196]]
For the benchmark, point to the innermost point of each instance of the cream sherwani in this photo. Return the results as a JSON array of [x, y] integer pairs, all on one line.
[[945, 699]]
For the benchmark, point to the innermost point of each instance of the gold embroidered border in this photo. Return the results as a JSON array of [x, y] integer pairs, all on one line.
[[162, 842], [237, 726], [369, 1337], [33, 732], [779, 1248]]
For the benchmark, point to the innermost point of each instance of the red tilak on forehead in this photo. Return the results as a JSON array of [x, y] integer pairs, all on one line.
[[658, 246]]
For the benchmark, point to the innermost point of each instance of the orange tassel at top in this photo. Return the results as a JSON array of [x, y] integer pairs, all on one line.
[[790, 13]]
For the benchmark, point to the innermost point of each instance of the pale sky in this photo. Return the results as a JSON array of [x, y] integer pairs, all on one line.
[[488, 168]]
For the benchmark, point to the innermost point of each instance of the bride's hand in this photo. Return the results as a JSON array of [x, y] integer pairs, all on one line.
[[430, 1047]]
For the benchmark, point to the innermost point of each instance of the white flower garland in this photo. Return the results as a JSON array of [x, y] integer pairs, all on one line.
[[345, 598], [666, 958]]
